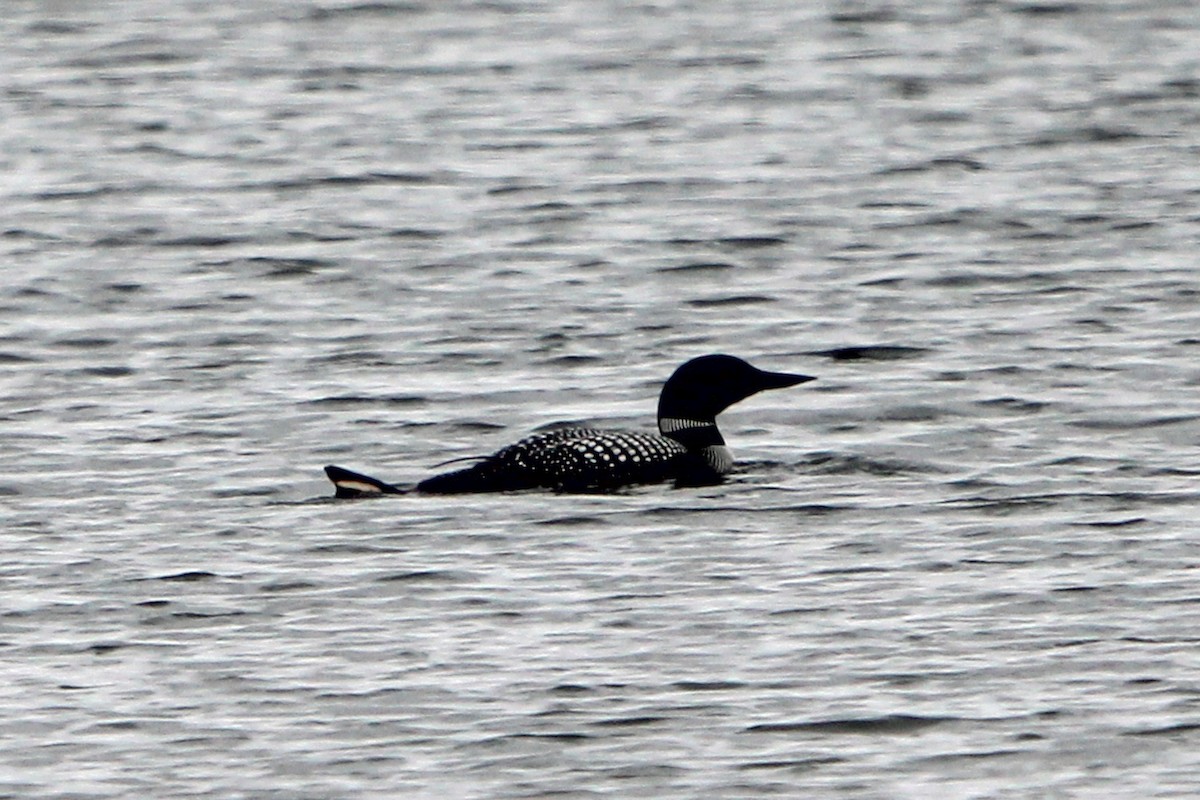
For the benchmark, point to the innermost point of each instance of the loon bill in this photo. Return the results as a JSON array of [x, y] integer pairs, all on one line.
[[688, 449]]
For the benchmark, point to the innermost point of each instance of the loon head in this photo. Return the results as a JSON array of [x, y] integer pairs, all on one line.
[[706, 386]]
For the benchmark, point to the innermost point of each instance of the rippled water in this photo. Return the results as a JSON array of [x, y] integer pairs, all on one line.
[[245, 240]]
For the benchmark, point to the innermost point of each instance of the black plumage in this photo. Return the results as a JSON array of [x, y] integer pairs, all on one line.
[[568, 460]]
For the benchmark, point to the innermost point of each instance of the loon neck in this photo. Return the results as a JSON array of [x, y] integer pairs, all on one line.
[[694, 434]]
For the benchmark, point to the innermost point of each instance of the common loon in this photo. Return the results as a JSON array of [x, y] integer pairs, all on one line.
[[688, 449]]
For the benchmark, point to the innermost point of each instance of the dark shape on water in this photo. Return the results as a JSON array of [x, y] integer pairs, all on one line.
[[688, 449], [870, 352], [885, 724]]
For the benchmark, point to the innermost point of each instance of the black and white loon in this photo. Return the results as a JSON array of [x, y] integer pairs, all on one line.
[[688, 449]]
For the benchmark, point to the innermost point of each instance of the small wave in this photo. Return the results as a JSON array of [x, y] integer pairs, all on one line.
[[1047, 9], [958, 162], [177, 615], [726, 242], [413, 233], [913, 413], [1015, 405], [351, 400], [945, 758], [350, 548], [1088, 134], [1116, 523], [572, 689], [851, 464], [201, 240], [89, 192], [864, 16], [562, 736], [326, 13], [86, 342], [135, 58], [516, 188], [707, 62], [426, 576], [287, 586], [1126, 424], [352, 180], [860, 569], [1015, 503], [368, 358], [628, 722], [573, 359], [698, 266], [968, 279], [805, 509], [1166, 730], [1175, 471], [791, 765], [482, 426], [870, 352], [1172, 89], [247, 491], [731, 300], [887, 724], [186, 577], [287, 267], [57, 27], [1003, 505], [708, 686], [113, 371], [799, 611], [571, 521], [751, 242]]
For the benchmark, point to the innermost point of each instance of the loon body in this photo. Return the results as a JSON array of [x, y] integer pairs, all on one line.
[[688, 449]]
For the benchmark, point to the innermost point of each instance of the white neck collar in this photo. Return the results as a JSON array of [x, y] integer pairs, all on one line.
[[673, 424]]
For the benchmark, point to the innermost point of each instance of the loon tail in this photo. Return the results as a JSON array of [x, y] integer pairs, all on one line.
[[354, 484]]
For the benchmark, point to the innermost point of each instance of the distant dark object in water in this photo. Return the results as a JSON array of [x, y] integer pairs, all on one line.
[[870, 352], [688, 449]]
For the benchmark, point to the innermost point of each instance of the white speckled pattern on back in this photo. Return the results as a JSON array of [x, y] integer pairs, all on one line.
[[588, 458]]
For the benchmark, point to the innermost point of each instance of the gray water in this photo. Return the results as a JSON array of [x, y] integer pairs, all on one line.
[[241, 241]]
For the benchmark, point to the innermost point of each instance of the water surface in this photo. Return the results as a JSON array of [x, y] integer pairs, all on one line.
[[242, 242]]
